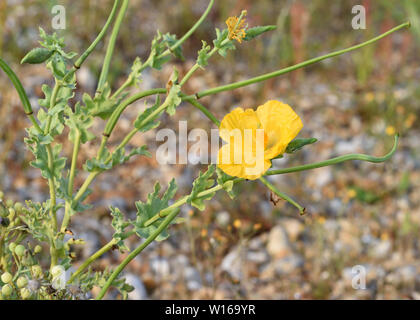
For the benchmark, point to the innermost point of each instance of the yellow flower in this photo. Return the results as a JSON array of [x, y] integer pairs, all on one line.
[[236, 27], [255, 137]]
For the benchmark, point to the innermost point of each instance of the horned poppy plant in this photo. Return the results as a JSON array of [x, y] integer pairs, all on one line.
[[280, 125], [63, 122]]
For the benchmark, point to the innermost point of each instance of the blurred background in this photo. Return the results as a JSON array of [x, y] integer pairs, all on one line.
[[357, 213]]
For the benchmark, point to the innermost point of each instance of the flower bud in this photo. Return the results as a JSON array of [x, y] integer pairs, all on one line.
[[12, 246], [20, 250], [37, 55], [25, 293], [6, 290], [18, 206], [37, 249], [6, 277], [21, 282]]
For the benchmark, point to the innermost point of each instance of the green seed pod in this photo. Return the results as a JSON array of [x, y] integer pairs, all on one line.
[[18, 206], [1, 195], [7, 290], [20, 250], [36, 271], [12, 246], [25, 293], [21, 282], [6, 277], [37, 249], [37, 55]]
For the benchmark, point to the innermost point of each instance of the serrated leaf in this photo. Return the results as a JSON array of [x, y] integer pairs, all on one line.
[[79, 122], [202, 183], [158, 47], [203, 55], [298, 144], [102, 105], [170, 40], [254, 32], [173, 99], [140, 123], [119, 225], [226, 181], [220, 43], [152, 207], [117, 157]]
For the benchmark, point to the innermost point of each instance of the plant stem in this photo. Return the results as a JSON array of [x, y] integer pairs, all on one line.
[[86, 185], [190, 32], [136, 251], [354, 156], [21, 91], [54, 94], [101, 34], [72, 173], [282, 195], [96, 255], [111, 45], [91, 259], [267, 76]]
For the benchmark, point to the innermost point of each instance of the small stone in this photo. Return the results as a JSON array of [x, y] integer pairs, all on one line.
[[160, 267], [293, 228], [278, 245], [232, 264], [193, 278]]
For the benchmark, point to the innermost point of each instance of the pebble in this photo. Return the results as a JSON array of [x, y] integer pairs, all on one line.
[[278, 245]]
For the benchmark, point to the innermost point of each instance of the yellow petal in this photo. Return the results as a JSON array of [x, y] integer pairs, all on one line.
[[240, 168], [238, 119], [281, 125]]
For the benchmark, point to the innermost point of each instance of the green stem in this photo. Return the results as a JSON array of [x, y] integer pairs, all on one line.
[[86, 185], [96, 256], [92, 47], [111, 45], [70, 187], [53, 99], [354, 156], [92, 258], [282, 195], [267, 76], [177, 43], [136, 251], [190, 32], [72, 173], [21, 92]]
